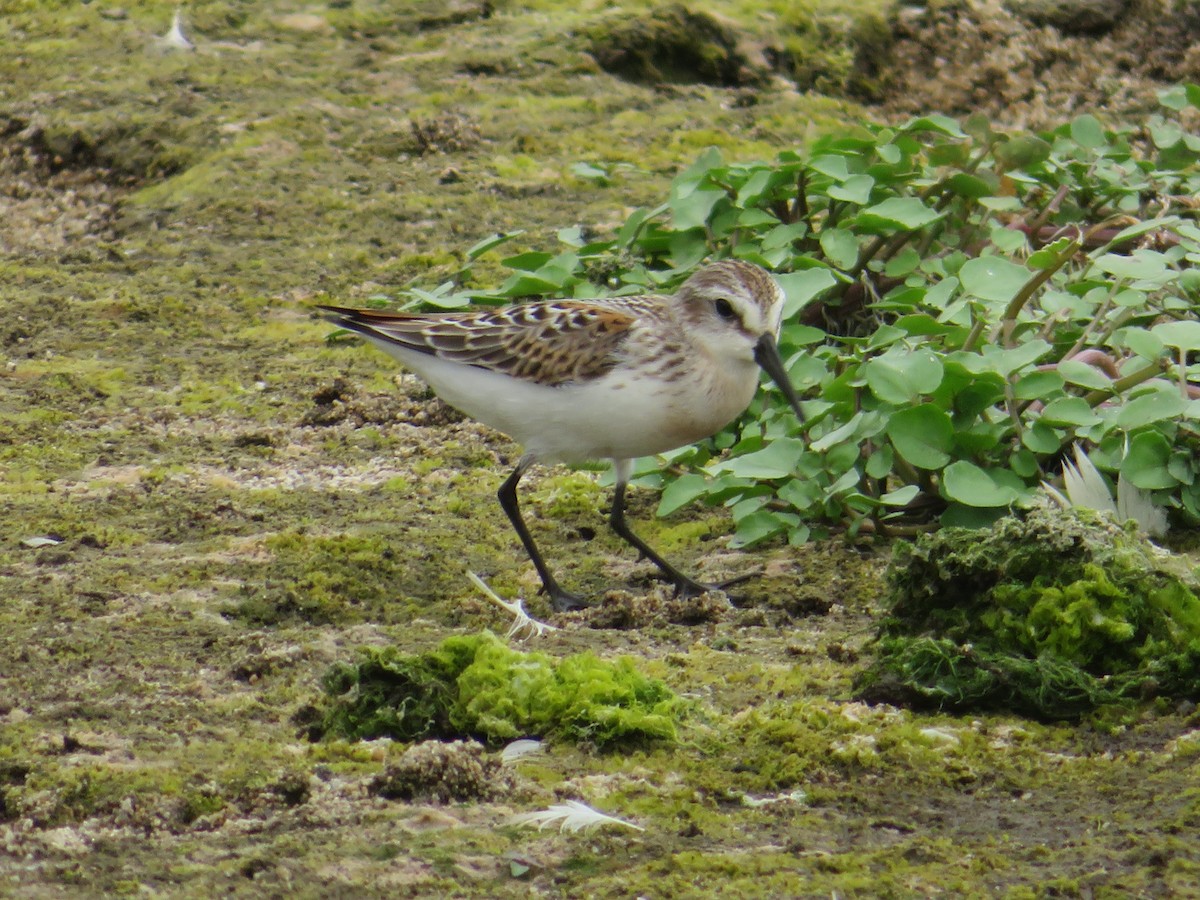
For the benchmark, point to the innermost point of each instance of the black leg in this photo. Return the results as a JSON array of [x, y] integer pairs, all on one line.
[[562, 600], [684, 586]]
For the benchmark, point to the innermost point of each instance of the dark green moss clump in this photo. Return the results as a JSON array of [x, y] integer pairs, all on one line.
[[324, 579], [1054, 614], [673, 44], [477, 686], [822, 49]]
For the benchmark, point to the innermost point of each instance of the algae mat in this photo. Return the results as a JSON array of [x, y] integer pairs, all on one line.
[[204, 507]]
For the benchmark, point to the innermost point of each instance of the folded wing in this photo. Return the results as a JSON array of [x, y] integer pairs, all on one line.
[[546, 343]]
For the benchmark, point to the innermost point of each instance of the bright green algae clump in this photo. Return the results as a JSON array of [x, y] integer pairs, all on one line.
[[1052, 613], [477, 686]]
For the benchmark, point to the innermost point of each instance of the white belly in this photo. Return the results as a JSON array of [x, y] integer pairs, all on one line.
[[610, 417]]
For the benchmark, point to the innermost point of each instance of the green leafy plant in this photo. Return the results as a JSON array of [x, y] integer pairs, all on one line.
[[962, 306], [477, 686], [1054, 613]]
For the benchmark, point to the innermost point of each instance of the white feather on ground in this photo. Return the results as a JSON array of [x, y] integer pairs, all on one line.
[[571, 816], [175, 39], [519, 749], [523, 625]]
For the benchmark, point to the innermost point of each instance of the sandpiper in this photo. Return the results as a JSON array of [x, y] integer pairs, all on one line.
[[618, 378]]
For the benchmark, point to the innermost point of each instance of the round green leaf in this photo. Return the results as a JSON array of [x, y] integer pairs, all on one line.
[[489, 243], [1184, 335], [776, 460], [1008, 361], [1087, 132], [847, 482], [901, 496], [1008, 240], [832, 165], [783, 235], [758, 526], [1037, 385], [522, 285], [1144, 343], [1048, 255], [978, 394], [922, 325], [1041, 438], [980, 437], [840, 246], [971, 186], [922, 435], [879, 463], [801, 494], [1023, 463], [1020, 152], [847, 431], [801, 287], [1143, 265], [966, 483], [1174, 97], [1084, 375], [842, 458], [890, 154], [682, 491], [530, 261], [884, 336], [902, 263], [1165, 134], [1131, 298], [1183, 466], [855, 189], [801, 335], [688, 248], [1070, 411], [901, 378], [755, 187], [694, 209], [992, 278], [1137, 229], [1149, 408], [1146, 465], [907, 213]]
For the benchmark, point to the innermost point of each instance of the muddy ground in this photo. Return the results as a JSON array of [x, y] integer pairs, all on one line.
[[203, 504]]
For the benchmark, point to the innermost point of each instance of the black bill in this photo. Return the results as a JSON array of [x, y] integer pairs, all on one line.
[[766, 354]]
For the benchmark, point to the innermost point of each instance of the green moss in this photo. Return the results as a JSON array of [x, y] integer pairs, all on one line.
[[1054, 613], [323, 579], [572, 497], [64, 795], [871, 40], [479, 687], [671, 44], [201, 802]]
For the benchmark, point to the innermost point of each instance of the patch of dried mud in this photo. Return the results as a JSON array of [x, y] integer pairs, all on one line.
[[48, 203]]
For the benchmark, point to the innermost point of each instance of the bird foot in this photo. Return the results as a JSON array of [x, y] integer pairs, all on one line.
[[686, 588], [564, 601]]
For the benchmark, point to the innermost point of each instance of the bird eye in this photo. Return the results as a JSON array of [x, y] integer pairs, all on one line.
[[724, 308]]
